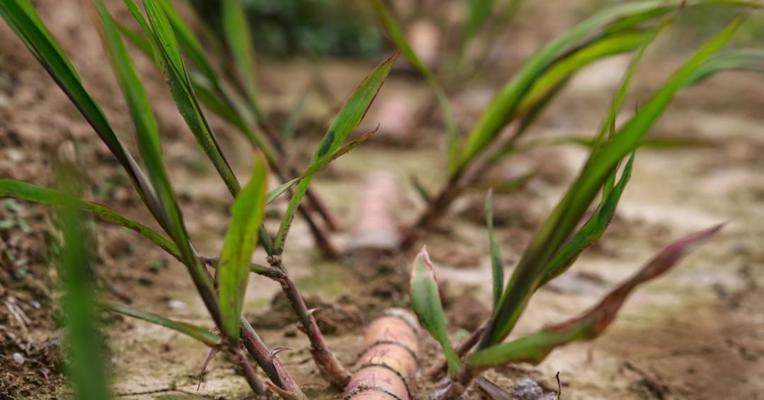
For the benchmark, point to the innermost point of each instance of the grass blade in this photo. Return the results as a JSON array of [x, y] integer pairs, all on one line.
[[38, 194], [147, 135], [399, 39], [192, 331], [240, 241], [86, 364], [346, 120], [425, 300], [502, 109], [478, 12], [591, 231], [191, 46], [497, 268], [622, 42], [205, 83], [175, 72], [574, 204], [534, 348], [237, 34], [744, 60], [22, 18]]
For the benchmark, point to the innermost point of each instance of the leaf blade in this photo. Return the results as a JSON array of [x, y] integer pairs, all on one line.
[[240, 241], [497, 268], [535, 347], [346, 120], [193, 331], [426, 303], [570, 209], [173, 68], [38, 194]]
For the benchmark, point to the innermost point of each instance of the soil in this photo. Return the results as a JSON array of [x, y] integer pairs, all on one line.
[[697, 333]]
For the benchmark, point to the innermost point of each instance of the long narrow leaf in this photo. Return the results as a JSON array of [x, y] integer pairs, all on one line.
[[191, 46], [86, 364], [240, 240], [205, 82], [38, 194], [497, 268], [744, 60], [175, 72], [425, 300], [399, 39], [147, 135], [591, 231], [534, 348], [22, 18], [192, 331], [567, 214], [502, 108], [619, 43], [237, 34], [346, 120]]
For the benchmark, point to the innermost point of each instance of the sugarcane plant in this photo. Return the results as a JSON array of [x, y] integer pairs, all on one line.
[[499, 131], [556, 245], [220, 281]]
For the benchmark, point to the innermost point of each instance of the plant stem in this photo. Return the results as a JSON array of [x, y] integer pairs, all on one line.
[[270, 364], [461, 351], [320, 236], [331, 369], [435, 209], [249, 373]]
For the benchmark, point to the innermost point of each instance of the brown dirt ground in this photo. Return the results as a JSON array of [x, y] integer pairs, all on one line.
[[696, 334]]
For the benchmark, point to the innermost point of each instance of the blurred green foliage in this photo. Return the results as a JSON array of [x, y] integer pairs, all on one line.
[[339, 28]]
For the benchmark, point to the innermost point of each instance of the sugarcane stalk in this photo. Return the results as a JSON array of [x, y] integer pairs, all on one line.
[[387, 367]]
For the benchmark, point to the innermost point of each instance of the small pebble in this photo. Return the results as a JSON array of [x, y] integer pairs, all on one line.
[[18, 359], [177, 305], [528, 389]]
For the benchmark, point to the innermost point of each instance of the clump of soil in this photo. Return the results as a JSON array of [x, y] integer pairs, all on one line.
[[332, 318], [29, 362]]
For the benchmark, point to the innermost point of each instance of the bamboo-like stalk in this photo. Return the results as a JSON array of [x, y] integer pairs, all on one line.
[[387, 367], [376, 228]]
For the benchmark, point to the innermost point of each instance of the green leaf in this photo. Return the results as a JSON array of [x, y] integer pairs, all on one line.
[[591, 231], [237, 34], [240, 241], [191, 46], [478, 12], [399, 39], [559, 72], [175, 72], [425, 300], [29, 192], [147, 135], [497, 269], [346, 120], [504, 106], [280, 189], [205, 83], [195, 332], [744, 60], [569, 211], [22, 18], [86, 365], [534, 348]]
